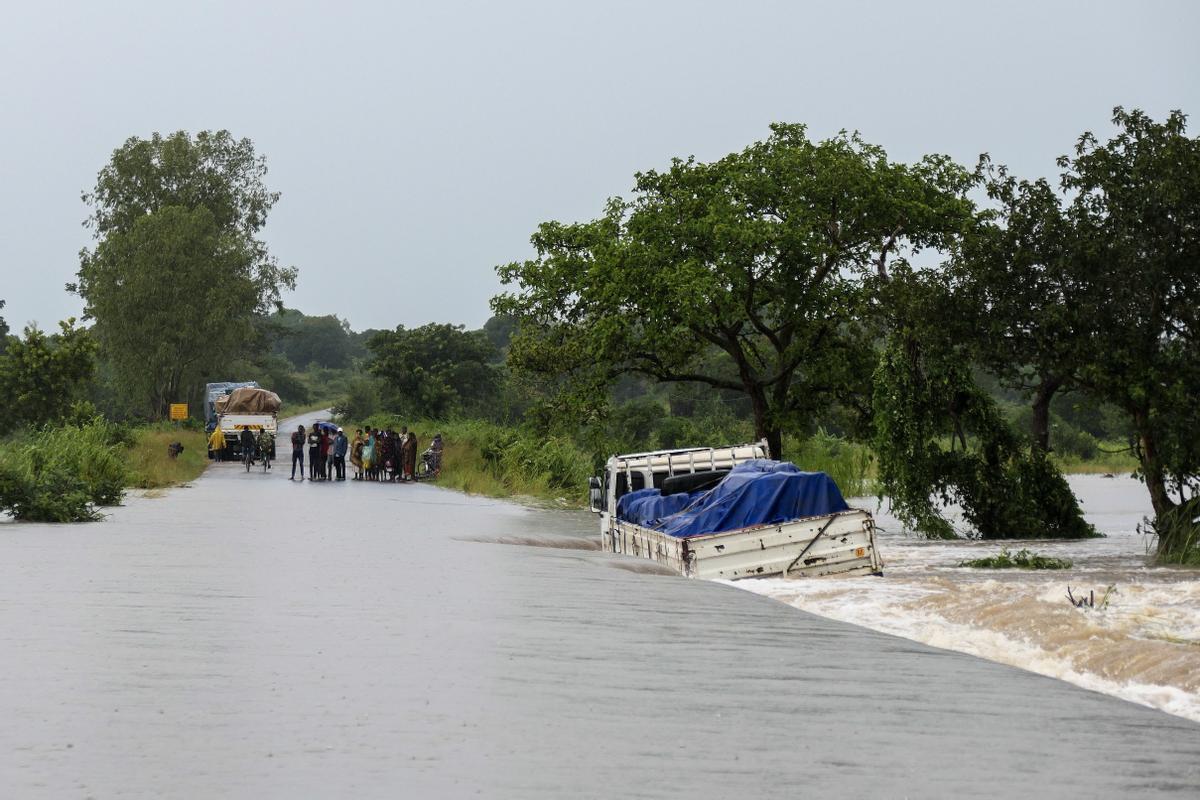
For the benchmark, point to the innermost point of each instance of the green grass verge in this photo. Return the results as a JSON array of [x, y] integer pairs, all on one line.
[[1022, 559], [150, 467], [499, 461]]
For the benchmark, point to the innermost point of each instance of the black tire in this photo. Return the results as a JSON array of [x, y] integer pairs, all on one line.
[[693, 481]]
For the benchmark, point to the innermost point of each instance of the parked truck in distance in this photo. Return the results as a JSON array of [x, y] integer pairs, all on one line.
[[235, 407], [730, 512]]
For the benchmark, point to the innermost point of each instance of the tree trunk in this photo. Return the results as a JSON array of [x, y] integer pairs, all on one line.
[[1154, 474], [1041, 412], [763, 428]]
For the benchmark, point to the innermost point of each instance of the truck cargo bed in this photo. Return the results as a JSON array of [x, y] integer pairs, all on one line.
[[841, 544]]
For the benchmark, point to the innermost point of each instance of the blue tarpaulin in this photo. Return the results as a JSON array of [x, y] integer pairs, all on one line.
[[645, 506], [758, 492]]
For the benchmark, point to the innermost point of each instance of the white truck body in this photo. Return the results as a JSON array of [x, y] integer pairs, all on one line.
[[232, 425], [842, 543]]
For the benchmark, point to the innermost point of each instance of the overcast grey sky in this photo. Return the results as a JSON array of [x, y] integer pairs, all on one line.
[[417, 146]]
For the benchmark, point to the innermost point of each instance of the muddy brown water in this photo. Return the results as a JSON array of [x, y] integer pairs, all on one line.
[[252, 637]]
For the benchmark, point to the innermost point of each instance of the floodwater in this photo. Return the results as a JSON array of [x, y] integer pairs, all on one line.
[[1140, 641], [250, 637]]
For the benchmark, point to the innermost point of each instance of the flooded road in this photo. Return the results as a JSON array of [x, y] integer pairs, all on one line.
[[252, 637], [1140, 641]]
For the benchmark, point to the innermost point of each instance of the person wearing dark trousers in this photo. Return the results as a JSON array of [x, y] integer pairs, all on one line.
[[314, 449], [323, 455], [340, 445], [297, 452]]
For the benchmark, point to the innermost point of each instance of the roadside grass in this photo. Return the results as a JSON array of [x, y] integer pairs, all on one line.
[[850, 464], [1022, 559], [485, 458], [150, 467]]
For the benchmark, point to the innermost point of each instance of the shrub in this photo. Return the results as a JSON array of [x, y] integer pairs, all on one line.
[[1022, 559], [60, 474]]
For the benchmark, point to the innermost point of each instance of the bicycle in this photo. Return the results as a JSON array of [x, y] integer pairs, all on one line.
[[430, 466], [248, 457]]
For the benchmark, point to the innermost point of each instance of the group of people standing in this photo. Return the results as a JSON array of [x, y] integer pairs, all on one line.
[[375, 455], [326, 453]]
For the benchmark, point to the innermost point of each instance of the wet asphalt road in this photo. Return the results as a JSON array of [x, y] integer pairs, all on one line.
[[250, 637]]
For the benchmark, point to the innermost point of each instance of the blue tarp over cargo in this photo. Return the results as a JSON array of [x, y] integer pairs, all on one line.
[[758, 492]]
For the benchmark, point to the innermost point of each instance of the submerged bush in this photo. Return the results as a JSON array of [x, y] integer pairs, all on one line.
[[1178, 532], [62, 474], [1022, 559]]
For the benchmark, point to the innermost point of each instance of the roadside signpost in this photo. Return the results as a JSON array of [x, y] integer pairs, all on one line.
[[179, 412]]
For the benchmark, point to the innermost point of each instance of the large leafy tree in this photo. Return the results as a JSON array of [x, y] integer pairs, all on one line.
[[178, 270], [941, 439], [752, 273], [1017, 284], [436, 370], [1135, 201], [42, 377], [1095, 286]]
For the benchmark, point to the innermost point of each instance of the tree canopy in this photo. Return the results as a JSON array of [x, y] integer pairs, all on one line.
[[178, 271], [434, 371], [325, 341], [750, 273], [42, 377]]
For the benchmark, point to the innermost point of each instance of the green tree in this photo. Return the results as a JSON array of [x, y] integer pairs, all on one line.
[[325, 341], [42, 377], [3, 331], [178, 271], [753, 273], [1135, 201], [436, 370], [940, 438], [1017, 288]]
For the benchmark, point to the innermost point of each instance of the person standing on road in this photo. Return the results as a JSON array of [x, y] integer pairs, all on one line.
[[216, 443], [340, 445], [410, 456], [356, 454], [323, 454], [331, 457], [314, 449], [297, 452]]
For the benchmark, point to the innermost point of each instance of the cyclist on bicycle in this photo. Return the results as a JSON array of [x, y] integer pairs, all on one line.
[[266, 447], [246, 440]]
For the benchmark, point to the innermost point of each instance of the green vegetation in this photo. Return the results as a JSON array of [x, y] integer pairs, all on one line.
[[1022, 559], [150, 466], [62, 474], [1181, 526], [43, 378], [782, 276], [178, 272]]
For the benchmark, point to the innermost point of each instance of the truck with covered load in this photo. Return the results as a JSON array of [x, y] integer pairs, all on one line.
[[236, 407], [730, 512]]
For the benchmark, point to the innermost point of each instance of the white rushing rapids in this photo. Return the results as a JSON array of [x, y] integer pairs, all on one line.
[[1140, 642]]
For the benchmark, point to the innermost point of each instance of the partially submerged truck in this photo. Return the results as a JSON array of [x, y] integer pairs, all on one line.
[[235, 407], [730, 512]]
